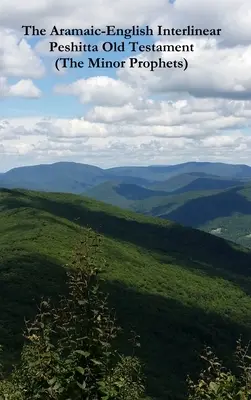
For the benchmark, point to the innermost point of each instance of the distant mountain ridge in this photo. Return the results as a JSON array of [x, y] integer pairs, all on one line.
[[58, 177], [77, 178], [214, 197]]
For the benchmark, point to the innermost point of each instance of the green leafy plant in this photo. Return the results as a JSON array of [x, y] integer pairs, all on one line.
[[69, 351], [218, 383]]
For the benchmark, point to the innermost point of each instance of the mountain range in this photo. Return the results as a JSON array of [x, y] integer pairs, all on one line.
[[77, 178], [214, 197]]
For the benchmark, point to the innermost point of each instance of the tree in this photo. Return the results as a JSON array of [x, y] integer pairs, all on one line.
[[69, 350]]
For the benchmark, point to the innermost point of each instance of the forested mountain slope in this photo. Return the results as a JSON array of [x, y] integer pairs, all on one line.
[[178, 288]]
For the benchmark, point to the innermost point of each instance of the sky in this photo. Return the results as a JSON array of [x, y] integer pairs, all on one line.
[[126, 116]]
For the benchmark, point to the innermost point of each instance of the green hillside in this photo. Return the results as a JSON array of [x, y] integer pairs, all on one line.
[[123, 195], [154, 199], [179, 288], [194, 181], [225, 212], [107, 192]]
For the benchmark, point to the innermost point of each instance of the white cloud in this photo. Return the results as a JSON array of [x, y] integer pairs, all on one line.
[[78, 13], [17, 58], [23, 88], [212, 71], [139, 116], [190, 116], [142, 150], [229, 15], [147, 131], [100, 90]]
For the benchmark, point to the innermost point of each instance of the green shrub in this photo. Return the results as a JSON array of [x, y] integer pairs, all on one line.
[[218, 383], [69, 350]]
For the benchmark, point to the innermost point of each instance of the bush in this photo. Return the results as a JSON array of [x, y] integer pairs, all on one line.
[[69, 350], [218, 383]]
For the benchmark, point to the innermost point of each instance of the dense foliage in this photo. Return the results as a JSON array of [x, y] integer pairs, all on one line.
[[69, 352]]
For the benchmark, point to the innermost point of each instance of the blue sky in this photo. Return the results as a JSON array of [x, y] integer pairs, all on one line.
[[130, 116], [65, 106]]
